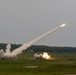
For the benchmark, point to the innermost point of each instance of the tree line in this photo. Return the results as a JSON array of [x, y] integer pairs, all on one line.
[[42, 48]]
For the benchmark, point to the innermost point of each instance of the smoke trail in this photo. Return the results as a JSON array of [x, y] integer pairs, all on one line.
[[14, 53], [25, 46]]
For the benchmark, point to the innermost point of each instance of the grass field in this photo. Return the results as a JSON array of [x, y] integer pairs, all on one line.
[[63, 64]]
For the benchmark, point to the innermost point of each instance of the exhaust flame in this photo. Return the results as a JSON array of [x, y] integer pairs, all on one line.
[[63, 25], [46, 56]]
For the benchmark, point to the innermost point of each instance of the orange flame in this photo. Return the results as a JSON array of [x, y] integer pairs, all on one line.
[[46, 56]]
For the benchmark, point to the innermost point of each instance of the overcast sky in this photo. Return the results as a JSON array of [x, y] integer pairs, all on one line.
[[23, 20]]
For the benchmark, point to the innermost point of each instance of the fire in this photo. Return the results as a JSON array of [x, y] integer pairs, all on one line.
[[63, 25], [46, 56], [43, 56]]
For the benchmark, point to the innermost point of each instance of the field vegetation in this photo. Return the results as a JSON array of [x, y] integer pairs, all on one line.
[[63, 63]]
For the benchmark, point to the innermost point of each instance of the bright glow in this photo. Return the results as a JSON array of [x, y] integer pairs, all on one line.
[[62, 25], [45, 55]]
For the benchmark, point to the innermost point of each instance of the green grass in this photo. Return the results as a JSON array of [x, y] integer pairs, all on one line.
[[61, 65]]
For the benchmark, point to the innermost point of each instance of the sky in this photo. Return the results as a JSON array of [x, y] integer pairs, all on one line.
[[24, 20]]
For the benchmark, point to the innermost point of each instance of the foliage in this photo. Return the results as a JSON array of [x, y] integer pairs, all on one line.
[[61, 65], [42, 48]]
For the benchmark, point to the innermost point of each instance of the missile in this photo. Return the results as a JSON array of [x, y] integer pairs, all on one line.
[[47, 33], [63, 25]]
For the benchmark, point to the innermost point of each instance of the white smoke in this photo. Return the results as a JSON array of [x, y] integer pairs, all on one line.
[[7, 54], [1, 53], [44, 55], [7, 51], [38, 56], [15, 52]]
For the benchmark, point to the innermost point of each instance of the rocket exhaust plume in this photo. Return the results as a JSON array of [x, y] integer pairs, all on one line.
[[25, 46]]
